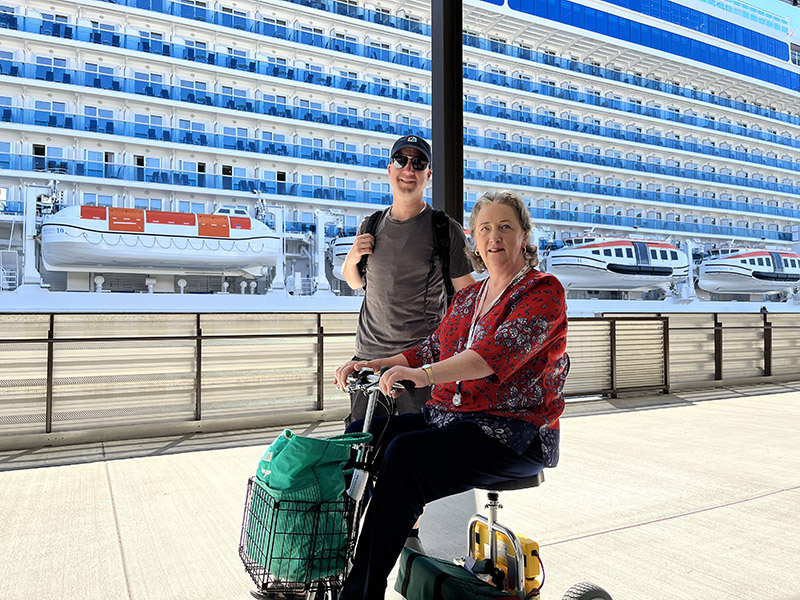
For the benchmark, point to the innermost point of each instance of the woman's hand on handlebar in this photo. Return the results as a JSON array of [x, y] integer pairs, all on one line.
[[397, 374], [347, 368]]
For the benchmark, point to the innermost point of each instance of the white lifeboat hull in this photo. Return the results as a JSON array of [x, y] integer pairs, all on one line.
[[587, 267], [728, 274], [341, 246], [91, 239]]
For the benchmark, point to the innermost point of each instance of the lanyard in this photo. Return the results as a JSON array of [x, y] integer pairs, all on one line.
[[476, 316]]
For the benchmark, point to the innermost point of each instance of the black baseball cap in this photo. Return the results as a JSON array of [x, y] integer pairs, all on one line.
[[412, 141]]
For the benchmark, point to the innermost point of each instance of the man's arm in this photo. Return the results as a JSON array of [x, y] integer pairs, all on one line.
[[361, 245]]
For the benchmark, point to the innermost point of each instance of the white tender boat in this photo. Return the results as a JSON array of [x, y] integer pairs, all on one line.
[[124, 240], [611, 263], [749, 270]]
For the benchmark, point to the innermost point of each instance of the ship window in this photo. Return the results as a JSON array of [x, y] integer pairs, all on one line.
[[607, 252], [767, 262], [618, 252], [629, 252], [191, 207], [752, 261], [663, 255], [596, 252], [673, 255], [744, 261], [653, 254], [98, 200], [147, 203], [794, 263], [760, 261]]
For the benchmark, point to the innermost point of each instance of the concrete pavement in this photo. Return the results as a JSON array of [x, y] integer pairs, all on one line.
[[690, 496]]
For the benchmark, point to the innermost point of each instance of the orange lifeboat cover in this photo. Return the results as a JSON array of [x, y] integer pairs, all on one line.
[[213, 226], [96, 213], [170, 218], [126, 219], [240, 223]]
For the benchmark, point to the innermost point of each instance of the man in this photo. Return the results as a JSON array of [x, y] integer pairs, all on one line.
[[405, 295]]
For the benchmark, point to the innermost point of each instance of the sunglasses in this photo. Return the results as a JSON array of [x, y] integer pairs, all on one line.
[[401, 160]]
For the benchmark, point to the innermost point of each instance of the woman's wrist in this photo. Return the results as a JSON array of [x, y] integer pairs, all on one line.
[[429, 372]]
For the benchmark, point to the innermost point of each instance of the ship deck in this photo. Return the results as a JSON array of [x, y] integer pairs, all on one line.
[[688, 495]]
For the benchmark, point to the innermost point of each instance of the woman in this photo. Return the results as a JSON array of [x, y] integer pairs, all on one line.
[[497, 366]]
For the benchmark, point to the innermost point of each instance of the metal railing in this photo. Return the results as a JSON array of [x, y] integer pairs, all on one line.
[[88, 372]]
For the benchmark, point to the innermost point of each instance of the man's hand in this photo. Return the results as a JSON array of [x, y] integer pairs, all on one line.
[[363, 244]]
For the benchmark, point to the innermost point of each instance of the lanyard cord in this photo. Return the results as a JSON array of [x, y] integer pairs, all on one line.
[[476, 316]]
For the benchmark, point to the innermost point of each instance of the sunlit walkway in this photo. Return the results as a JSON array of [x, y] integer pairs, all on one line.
[[693, 496]]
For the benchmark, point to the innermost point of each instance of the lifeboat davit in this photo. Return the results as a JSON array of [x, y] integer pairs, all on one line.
[[604, 263], [127, 240], [749, 270]]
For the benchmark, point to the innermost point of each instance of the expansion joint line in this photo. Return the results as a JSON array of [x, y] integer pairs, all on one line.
[[669, 518]]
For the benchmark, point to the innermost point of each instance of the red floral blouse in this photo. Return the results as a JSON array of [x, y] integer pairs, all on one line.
[[523, 339]]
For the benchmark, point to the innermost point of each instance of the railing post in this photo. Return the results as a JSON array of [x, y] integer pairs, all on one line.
[[613, 359], [198, 373], [320, 364], [767, 347], [48, 410], [717, 349], [665, 329]]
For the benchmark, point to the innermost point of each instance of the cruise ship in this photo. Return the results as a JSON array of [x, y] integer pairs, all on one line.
[[676, 122]]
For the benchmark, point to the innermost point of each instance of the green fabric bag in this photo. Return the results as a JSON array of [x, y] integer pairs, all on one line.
[[298, 527], [423, 577], [296, 462]]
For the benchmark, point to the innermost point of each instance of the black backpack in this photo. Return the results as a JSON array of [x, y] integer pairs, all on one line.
[[441, 247]]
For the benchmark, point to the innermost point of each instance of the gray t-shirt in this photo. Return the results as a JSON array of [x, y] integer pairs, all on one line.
[[393, 314]]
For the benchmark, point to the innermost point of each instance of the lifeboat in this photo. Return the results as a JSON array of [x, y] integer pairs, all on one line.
[[340, 244], [340, 247], [126, 240], [605, 263], [749, 270]]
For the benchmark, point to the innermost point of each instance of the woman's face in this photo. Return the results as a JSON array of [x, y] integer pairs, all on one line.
[[499, 237]]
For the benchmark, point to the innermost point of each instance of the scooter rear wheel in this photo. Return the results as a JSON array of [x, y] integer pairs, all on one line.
[[586, 591]]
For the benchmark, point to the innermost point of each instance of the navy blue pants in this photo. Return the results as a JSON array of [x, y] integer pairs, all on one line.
[[420, 464]]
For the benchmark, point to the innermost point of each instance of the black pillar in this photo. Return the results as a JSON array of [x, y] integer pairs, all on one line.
[[447, 114]]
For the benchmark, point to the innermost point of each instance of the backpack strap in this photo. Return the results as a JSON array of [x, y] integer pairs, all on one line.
[[441, 241], [370, 227]]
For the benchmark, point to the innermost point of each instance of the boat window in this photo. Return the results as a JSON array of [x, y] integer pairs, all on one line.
[[629, 252], [663, 255], [767, 262], [653, 254], [673, 255], [752, 261], [618, 252], [597, 252], [744, 261], [794, 264], [786, 262], [760, 261], [588, 240], [607, 251]]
